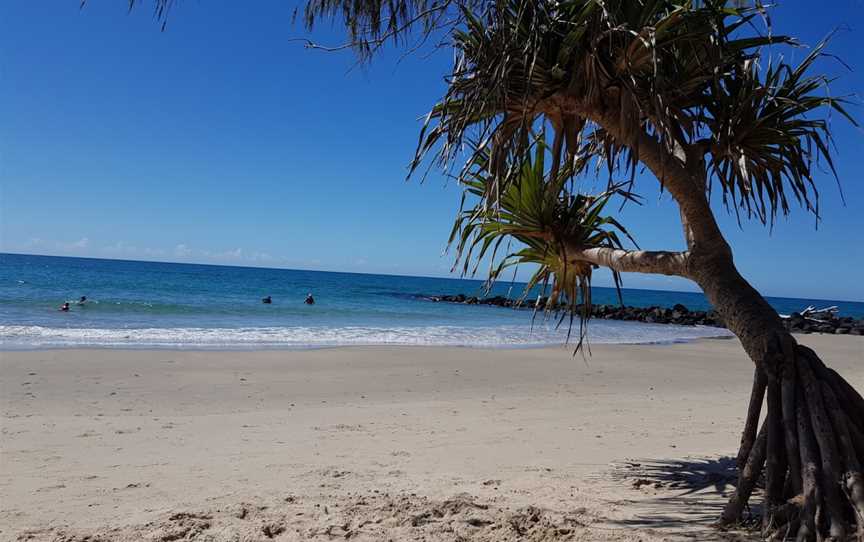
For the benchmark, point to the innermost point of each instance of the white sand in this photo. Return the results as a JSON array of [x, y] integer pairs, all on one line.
[[375, 443]]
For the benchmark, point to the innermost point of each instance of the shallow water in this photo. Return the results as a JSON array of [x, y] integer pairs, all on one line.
[[149, 304]]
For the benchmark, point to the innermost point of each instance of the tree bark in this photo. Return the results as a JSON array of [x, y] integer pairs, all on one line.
[[631, 261], [748, 436], [744, 312]]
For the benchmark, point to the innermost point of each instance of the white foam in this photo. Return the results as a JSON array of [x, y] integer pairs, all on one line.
[[601, 332]]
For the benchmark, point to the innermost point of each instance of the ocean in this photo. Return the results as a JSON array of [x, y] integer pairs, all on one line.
[[136, 304]]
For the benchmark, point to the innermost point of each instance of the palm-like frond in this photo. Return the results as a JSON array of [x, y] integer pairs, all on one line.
[[763, 139], [537, 212], [371, 23], [685, 72]]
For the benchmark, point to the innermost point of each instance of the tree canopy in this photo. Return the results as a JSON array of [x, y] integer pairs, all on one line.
[[611, 84]]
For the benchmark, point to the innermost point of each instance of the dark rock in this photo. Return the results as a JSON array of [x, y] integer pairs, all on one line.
[[678, 314]]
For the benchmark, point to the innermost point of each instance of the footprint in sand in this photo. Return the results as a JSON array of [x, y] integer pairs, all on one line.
[[338, 428], [51, 488]]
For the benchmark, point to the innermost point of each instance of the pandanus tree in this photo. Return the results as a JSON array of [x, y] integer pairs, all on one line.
[[689, 91], [544, 93]]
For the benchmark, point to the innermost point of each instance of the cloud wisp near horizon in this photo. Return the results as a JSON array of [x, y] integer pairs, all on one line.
[[179, 253]]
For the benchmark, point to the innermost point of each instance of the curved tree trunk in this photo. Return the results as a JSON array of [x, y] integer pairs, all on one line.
[[811, 445]]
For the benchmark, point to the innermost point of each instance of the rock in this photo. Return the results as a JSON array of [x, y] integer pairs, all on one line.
[[678, 314], [272, 530]]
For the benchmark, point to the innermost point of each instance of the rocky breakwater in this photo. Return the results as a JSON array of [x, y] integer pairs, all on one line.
[[678, 314], [839, 325]]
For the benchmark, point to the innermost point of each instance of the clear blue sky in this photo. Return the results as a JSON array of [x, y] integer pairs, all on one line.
[[221, 141]]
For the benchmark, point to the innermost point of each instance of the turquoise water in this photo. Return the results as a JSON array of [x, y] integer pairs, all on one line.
[[148, 304]]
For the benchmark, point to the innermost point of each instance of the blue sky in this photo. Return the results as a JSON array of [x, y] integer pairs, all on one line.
[[221, 140]]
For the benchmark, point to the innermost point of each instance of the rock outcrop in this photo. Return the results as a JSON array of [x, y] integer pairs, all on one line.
[[678, 314]]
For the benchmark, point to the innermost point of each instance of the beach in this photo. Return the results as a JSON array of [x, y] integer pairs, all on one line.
[[373, 443]]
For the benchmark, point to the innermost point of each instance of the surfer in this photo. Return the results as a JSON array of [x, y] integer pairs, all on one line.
[[267, 300], [64, 307], [309, 299], [82, 300]]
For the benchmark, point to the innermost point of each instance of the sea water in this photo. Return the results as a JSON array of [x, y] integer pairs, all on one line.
[[135, 304]]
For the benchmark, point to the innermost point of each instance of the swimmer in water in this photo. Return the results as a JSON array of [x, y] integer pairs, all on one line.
[[267, 300], [64, 307], [82, 300], [309, 299]]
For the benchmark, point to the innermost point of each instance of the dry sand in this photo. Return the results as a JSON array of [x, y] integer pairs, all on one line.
[[376, 443]]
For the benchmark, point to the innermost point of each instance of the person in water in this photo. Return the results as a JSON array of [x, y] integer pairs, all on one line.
[[64, 307], [267, 300], [309, 299], [82, 300]]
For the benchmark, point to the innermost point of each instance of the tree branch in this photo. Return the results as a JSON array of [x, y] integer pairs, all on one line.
[[672, 171], [632, 261], [700, 228]]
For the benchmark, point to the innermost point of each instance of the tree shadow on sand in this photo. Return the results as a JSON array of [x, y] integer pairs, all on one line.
[[684, 496]]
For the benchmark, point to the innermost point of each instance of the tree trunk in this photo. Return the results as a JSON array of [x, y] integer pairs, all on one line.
[[811, 446], [813, 433]]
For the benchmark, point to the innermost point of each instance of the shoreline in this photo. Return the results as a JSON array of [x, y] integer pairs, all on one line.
[[291, 338], [141, 444], [264, 348]]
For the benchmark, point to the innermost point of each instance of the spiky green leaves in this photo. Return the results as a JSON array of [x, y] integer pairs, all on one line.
[[686, 72], [531, 216], [372, 23], [764, 139]]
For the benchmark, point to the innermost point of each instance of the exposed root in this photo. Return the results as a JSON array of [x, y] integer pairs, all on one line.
[[748, 436], [810, 449], [747, 478]]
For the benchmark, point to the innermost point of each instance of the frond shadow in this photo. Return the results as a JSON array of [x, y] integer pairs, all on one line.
[[690, 475], [681, 495]]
